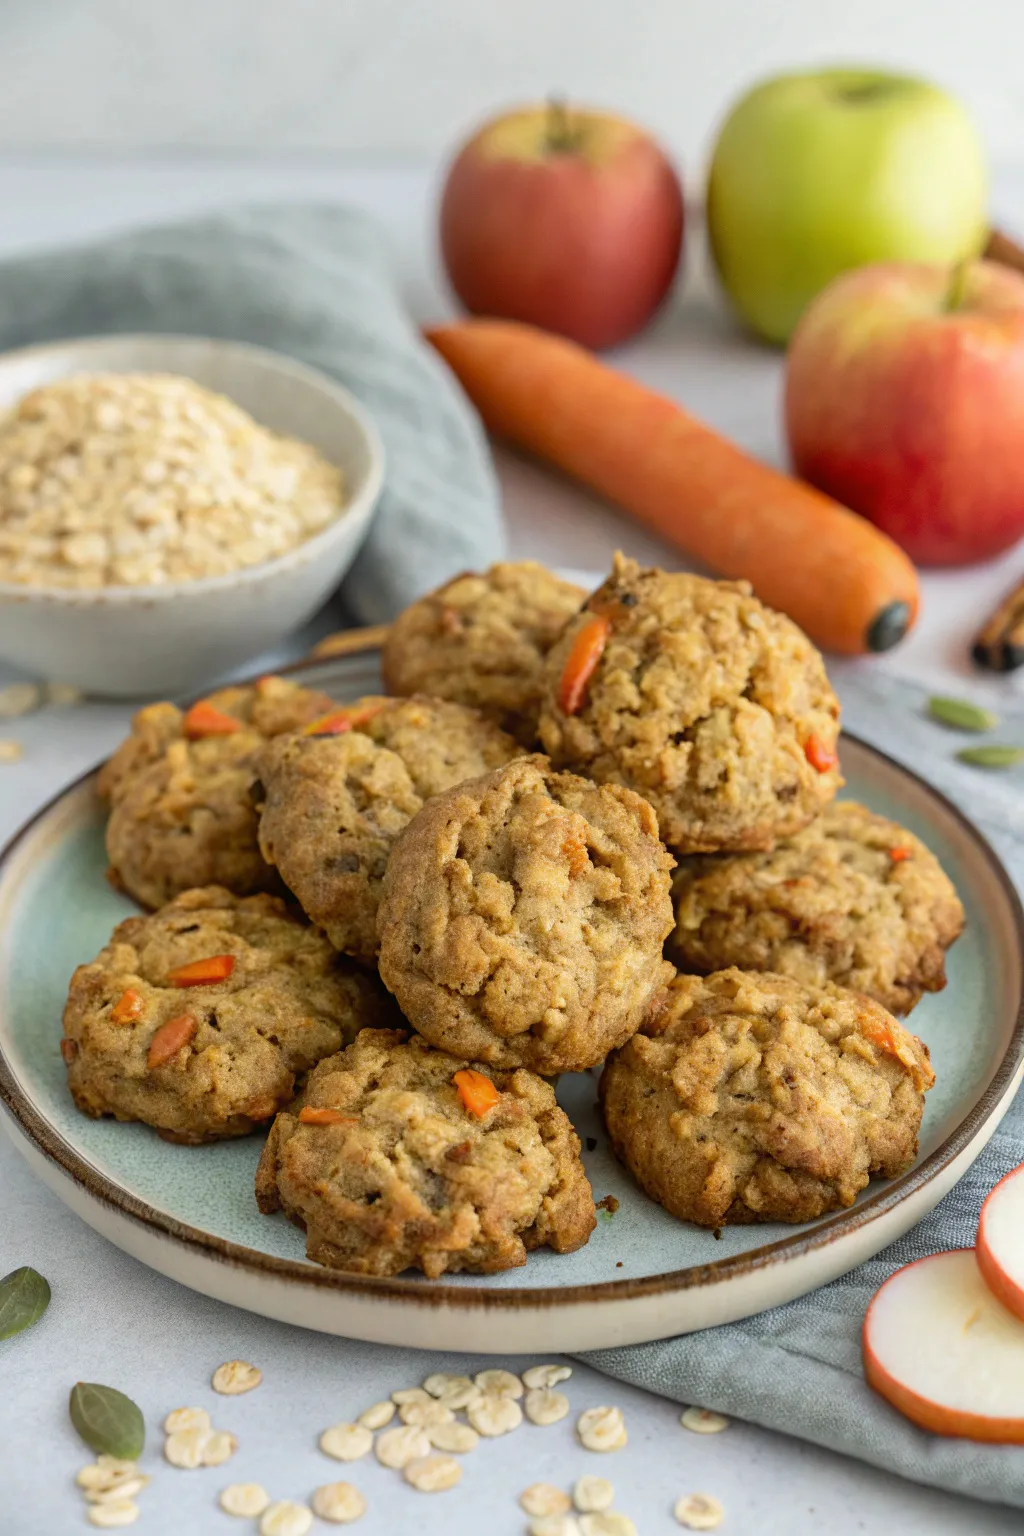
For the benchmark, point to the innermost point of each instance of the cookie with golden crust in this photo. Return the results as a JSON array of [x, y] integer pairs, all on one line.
[[523, 918], [691, 692], [481, 639], [180, 791], [853, 898], [146, 1037], [386, 1168], [333, 804], [749, 1097]]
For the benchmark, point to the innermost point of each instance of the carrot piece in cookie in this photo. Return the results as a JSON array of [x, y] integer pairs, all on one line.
[[899, 854], [128, 1007], [204, 719], [200, 973], [820, 756], [309, 1114], [341, 720], [476, 1091], [582, 661], [170, 1038]]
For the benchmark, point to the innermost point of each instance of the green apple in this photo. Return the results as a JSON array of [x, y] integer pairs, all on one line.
[[816, 173]]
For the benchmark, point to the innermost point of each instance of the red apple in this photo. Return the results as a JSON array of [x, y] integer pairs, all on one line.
[[567, 219], [905, 401]]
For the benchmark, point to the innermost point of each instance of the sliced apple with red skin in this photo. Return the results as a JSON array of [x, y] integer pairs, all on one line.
[[943, 1351], [1000, 1241]]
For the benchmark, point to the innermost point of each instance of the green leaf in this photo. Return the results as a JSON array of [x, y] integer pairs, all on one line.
[[107, 1420], [962, 715], [24, 1297], [991, 757]]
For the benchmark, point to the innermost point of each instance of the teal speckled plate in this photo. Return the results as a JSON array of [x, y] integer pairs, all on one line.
[[190, 1212]]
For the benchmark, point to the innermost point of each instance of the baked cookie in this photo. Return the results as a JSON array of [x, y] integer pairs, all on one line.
[[694, 694], [482, 640], [200, 1018], [748, 1097], [398, 1156], [853, 899], [333, 804], [182, 814], [523, 918]]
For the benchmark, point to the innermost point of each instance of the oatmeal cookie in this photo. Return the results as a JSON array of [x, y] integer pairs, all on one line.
[[712, 706], [482, 640], [405, 1175], [204, 1059], [749, 1097], [523, 918], [182, 814], [334, 803], [853, 899]]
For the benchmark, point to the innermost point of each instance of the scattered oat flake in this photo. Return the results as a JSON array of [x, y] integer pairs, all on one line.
[[243, 1499], [433, 1474], [554, 1525], [346, 1442], [445, 1387], [19, 699], [286, 1518], [185, 1448], [601, 1429], [109, 1516], [235, 1377], [698, 1512], [11, 751], [592, 1494], [99, 1474], [219, 1448], [425, 1414], [544, 1499], [544, 1406], [377, 1415], [186, 1418], [118, 1464], [59, 694], [410, 1395], [396, 1447], [499, 1383], [122, 1487], [546, 1375], [454, 1437], [491, 1415], [607, 1523], [703, 1421], [338, 1503]]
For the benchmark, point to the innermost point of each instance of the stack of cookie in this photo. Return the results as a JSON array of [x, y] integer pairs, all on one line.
[[383, 926]]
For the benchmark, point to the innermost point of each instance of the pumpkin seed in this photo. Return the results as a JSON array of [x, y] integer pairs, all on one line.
[[24, 1297], [961, 714], [107, 1420], [991, 757]]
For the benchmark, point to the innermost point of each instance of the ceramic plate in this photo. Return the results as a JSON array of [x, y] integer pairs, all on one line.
[[190, 1212]]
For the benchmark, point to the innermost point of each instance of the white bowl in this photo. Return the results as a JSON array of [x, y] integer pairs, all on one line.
[[127, 641]]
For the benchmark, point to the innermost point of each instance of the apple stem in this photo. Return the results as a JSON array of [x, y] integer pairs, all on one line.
[[957, 290], [560, 137]]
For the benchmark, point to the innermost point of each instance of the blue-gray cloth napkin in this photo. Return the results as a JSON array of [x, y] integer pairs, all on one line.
[[797, 1368], [315, 283]]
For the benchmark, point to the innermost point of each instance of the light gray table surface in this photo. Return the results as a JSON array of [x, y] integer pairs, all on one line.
[[113, 1320]]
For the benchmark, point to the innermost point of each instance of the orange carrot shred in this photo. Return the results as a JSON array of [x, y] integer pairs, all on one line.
[[477, 1092], [820, 756], [200, 973], [170, 1038], [341, 720], [310, 1115], [582, 661], [899, 854], [128, 1007], [203, 719]]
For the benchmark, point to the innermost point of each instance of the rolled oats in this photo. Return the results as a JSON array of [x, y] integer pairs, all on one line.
[[63, 694], [119, 1465], [109, 1516], [286, 1518], [491, 1415], [105, 1473], [544, 1406], [546, 1375], [698, 1512], [592, 1494], [446, 1387], [554, 1525], [123, 1487], [346, 1442], [425, 1414], [455, 1437], [236, 1376], [243, 1499], [338, 1503], [185, 1447], [702, 1421], [396, 1447], [433, 1474], [410, 1395], [186, 1418], [19, 699], [377, 1415], [11, 751], [218, 1448], [499, 1383], [607, 1523], [544, 1499], [601, 1429]]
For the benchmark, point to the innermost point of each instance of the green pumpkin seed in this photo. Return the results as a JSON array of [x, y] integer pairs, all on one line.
[[24, 1297], [962, 715], [107, 1420], [991, 757]]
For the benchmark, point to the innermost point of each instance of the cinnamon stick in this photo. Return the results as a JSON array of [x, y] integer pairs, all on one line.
[[999, 646]]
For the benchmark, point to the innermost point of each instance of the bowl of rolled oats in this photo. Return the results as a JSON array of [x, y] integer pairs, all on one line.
[[171, 506]]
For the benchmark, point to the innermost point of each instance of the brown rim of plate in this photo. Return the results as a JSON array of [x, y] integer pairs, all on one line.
[[427, 1293]]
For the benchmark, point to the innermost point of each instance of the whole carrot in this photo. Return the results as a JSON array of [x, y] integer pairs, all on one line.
[[848, 585]]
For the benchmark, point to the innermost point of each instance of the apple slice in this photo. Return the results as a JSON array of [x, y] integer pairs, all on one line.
[[1000, 1241], [941, 1349]]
